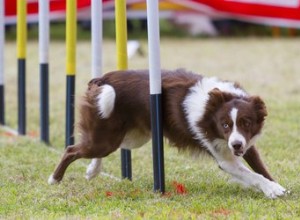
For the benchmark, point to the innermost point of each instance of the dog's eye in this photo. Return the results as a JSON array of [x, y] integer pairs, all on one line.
[[225, 126], [247, 124]]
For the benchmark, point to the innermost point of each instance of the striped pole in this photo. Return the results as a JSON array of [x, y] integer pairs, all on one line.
[[155, 95], [21, 53], [96, 12], [2, 37], [121, 41], [44, 69], [71, 31]]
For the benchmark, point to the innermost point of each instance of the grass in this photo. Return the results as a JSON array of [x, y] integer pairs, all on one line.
[[268, 67]]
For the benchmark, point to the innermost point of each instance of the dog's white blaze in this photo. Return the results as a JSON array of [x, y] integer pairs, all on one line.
[[106, 101], [235, 134], [196, 101]]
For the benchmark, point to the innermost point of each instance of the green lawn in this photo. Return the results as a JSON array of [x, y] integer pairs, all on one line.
[[265, 67]]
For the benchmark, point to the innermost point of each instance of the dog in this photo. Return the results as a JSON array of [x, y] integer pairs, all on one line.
[[199, 114]]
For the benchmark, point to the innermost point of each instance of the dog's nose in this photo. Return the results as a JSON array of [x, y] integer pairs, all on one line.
[[237, 145]]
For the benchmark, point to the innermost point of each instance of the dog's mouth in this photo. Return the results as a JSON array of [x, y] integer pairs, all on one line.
[[238, 153]]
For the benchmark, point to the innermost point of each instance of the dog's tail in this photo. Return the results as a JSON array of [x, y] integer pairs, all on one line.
[[106, 100], [98, 103], [102, 97]]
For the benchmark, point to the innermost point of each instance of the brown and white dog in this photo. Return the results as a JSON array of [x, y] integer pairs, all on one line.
[[200, 114]]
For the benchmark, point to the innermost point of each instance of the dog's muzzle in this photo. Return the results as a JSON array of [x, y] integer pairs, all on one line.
[[237, 147]]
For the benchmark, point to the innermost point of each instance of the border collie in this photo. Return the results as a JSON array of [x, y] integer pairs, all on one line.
[[200, 114]]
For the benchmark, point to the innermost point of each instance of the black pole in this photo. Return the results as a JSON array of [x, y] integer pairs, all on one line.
[[157, 143], [44, 102], [126, 164], [2, 105], [21, 96], [70, 114]]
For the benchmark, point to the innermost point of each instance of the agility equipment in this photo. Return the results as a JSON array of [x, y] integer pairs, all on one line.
[[2, 37], [44, 24], [71, 32], [155, 95], [122, 64], [21, 54]]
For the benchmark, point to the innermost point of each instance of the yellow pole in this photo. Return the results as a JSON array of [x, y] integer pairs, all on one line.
[[21, 28], [71, 32], [21, 55], [121, 41], [121, 34]]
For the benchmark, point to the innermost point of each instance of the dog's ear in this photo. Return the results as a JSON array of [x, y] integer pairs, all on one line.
[[259, 107], [218, 98]]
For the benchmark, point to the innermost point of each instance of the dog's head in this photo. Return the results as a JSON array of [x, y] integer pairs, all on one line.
[[238, 120]]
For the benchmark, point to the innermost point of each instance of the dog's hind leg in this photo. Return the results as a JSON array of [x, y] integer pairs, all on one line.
[[252, 157], [71, 154], [133, 139], [93, 168]]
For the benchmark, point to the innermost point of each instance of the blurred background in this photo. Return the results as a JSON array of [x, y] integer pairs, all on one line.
[[179, 18]]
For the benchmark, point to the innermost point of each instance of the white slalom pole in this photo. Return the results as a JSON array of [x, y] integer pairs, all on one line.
[[2, 37], [153, 45], [44, 31], [155, 94], [2, 24], [96, 19], [44, 24], [96, 16]]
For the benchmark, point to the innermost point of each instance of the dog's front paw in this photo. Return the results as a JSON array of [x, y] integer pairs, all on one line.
[[273, 190]]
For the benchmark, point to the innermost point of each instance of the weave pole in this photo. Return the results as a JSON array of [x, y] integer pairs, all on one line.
[[96, 14], [44, 69], [155, 95], [21, 54], [122, 64], [2, 40], [71, 31]]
